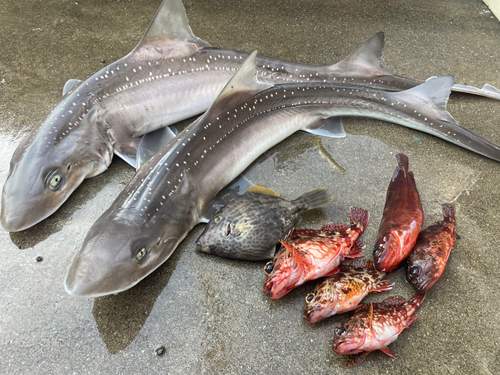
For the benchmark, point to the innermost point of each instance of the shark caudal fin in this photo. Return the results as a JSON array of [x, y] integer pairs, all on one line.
[[429, 101], [170, 24]]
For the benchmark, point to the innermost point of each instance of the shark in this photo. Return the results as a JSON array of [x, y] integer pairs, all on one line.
[[172, 191], [170, 76]]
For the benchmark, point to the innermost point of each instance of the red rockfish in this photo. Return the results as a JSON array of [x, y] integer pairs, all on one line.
[[343, 291], [427, 260], [402, 220], [374, 327], [309, 254]]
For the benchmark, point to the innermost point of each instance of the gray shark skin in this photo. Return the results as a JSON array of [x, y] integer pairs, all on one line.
[[170, 76], [169, 193]]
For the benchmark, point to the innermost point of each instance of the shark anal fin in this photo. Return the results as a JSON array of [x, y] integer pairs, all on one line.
[[330, 127]]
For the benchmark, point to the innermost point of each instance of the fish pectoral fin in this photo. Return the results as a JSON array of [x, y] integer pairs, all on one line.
[[126, 149], [330, 127], [387, 351], [365, 61], [332, 272], [383, 286], [356, 359], [70, 84], [232, 191], [151, 143], [171, 23]]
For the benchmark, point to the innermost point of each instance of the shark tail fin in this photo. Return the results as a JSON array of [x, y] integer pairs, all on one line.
[[170, 23], [365, 61]]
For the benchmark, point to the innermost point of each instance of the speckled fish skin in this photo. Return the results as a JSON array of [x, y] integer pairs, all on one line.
[[303, 258], [250, 227], [375, 326], [402, 219], [343, 291], [428, 259]]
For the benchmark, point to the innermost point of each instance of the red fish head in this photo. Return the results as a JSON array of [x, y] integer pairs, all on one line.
[[423, 271], [321, 303], [282, 274], [387, 249], [349, 338]]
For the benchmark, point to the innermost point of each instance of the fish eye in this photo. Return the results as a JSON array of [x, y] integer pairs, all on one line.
[[309, 297], [268, 268], [339, 331], [377, 252], [141, 253], [55, 181], [218, 218], [415, 271]]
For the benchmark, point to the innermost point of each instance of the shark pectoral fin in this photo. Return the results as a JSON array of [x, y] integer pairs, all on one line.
[[366, 60], [70, 84], [244, 81], [170, 23], [330, 127], [126, 149], [153, 142], [237, 187]]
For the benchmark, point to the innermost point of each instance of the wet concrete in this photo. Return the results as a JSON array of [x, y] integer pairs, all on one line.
[[210, 314]]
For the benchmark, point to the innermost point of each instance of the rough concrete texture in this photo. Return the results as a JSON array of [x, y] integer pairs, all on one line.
[[210, 314]]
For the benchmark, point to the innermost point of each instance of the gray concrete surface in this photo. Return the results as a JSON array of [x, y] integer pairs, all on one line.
[[210, 313]]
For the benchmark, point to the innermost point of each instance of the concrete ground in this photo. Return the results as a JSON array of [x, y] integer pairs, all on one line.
[[210, 314]]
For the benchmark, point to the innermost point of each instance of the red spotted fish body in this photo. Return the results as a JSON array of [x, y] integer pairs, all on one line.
[[402, 219], [374, 327], [343, 291], [429, 257], [309, 254]]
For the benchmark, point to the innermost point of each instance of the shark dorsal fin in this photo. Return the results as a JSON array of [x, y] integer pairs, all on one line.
[[366, 60], [170, 23], [245, 80]]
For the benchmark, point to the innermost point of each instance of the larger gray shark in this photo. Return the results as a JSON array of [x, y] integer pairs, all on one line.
[[169, 194], [170, 76]]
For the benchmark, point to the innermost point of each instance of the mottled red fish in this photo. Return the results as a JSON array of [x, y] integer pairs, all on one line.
[[343, 291], [402, 220], [375, 326], [309, 254], [429, 256]]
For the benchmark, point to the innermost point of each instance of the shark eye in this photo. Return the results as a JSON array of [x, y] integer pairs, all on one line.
[[377, 252], [55, 181], [217, 219], [339, 331], [415, 271], [268, 268], [141, 253], [309, 297]]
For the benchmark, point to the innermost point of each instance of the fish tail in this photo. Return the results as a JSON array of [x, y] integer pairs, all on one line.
[[403, 161], [317, 198], [448, 213], [359, 217]]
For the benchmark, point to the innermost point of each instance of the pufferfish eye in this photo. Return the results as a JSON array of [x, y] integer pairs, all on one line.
[[217, 219], [339, 331], [268, 268], [55, 181], [309, 297]]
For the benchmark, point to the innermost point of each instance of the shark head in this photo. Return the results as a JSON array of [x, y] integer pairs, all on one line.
[[52, 161], [133, 237]]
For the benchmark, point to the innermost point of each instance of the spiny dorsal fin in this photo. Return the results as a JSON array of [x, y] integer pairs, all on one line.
[[245, 80], [366, 60], [170, 23]]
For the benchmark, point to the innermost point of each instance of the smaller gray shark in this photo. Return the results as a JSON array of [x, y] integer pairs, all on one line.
[[170, 193], [171, 75]]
